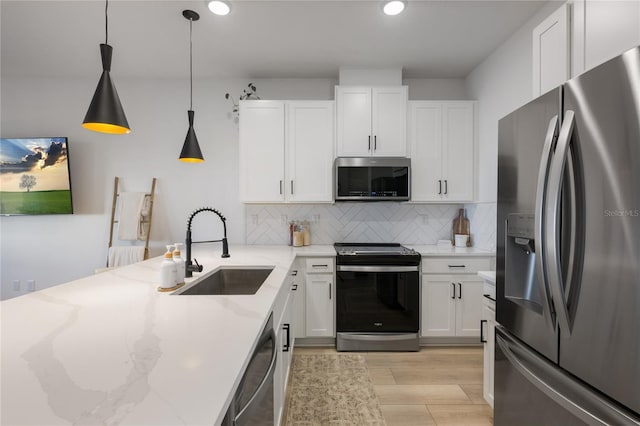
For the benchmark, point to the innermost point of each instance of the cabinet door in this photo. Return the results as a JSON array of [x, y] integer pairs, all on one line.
[[551, 52], [284, 346], [438, 306], [298, 314], [310, 151], [319, 316], [457, 153], [353, 120], [261, 139], [489, 316], [425, 138], [610, 28], [389, 121], [469, 309]]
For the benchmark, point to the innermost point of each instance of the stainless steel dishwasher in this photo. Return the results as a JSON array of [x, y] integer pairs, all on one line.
[[252, 403]]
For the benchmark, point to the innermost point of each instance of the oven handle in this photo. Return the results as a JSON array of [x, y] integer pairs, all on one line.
[[342, 268]]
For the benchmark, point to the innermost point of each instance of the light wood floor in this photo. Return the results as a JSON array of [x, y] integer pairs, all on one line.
[[436, 386]]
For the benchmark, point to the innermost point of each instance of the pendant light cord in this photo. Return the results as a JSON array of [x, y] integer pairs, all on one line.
[[106, 22], [190, 65]]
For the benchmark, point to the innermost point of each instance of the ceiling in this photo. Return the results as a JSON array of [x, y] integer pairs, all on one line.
[[259, 39]]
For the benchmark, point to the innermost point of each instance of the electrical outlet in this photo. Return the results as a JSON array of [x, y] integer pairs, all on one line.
[[254, 219], [283, 219], [425, 219], [31, 285], [16, 285]]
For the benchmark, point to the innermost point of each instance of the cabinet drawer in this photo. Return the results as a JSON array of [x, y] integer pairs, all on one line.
[[454, 265], [319, 265]]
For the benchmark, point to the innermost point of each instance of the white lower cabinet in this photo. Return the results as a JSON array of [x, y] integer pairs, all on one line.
[[320, 292], [452, 296], [451, 306], [284, 345], [298, 306], [488, 325]]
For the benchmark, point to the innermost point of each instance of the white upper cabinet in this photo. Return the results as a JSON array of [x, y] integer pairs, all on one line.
[[302, 132], [442, 143], [371, 121], [603, 29], [310, 151], [262, 133], [551, 51]]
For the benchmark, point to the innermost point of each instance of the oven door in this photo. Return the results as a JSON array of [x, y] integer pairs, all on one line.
[[377, 299]]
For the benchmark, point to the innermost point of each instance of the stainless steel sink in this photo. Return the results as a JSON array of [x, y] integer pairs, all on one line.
[[230, 282]]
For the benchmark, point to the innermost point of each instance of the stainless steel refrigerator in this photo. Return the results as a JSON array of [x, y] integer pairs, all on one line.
[[568, 253]]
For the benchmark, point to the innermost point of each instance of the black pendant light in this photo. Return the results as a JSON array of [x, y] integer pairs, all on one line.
[[105, 113], [191, 149]]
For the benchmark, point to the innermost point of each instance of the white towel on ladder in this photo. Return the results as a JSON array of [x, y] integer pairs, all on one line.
[[125, 255], [129, 217]]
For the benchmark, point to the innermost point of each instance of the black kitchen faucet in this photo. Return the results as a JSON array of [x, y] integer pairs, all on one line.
[[189, 266]]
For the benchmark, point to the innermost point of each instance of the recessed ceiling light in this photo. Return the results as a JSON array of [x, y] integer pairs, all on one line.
[[393, 7], [219, 7]]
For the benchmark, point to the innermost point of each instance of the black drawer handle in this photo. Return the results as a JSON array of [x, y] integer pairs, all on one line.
[[320, 266], [294, 273], [294, 287], [287, 345], [453, 285], [482, 339], [460, 291], [457, 266]]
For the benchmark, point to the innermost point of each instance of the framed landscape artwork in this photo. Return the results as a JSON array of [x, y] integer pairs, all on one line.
[[34, 176]]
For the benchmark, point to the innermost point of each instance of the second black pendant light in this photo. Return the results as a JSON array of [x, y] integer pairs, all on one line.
[[191, 152]]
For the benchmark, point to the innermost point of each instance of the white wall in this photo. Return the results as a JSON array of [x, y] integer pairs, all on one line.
[[56, 249], [437, 89], [501, 84]]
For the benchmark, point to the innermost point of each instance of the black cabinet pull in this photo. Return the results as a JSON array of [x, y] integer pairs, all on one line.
[[287, 345], [329, 291], [439, 187], [280, 187], [375, 142], [292, 187], [320, 266], [453, 285], [369, 142], [460, 291], [446, 187], [457, 266], [294, 273], [294, 287], [482, 339]]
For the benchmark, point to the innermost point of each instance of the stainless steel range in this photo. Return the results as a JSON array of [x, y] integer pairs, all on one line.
[[377, 297]]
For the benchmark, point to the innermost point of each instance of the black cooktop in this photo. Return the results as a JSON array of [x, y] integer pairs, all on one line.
[[375, 254]]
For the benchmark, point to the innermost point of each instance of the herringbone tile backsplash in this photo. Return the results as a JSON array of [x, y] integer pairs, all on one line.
[[366, 222]]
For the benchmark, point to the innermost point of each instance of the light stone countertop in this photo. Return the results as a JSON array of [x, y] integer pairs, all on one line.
[[111, 349], [435, 250], [489, 276]]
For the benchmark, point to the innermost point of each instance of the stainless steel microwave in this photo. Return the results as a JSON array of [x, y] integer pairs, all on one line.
[[372, 179]]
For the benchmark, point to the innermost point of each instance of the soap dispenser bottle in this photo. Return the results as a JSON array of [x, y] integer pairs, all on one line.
[[177, 258], [168, 270]]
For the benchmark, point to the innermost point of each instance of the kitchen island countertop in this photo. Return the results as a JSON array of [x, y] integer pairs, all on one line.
[[111, 349]]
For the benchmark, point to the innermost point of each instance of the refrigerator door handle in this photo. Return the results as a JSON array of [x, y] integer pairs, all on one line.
[[551, 225], [560, 387], [543, 172]]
